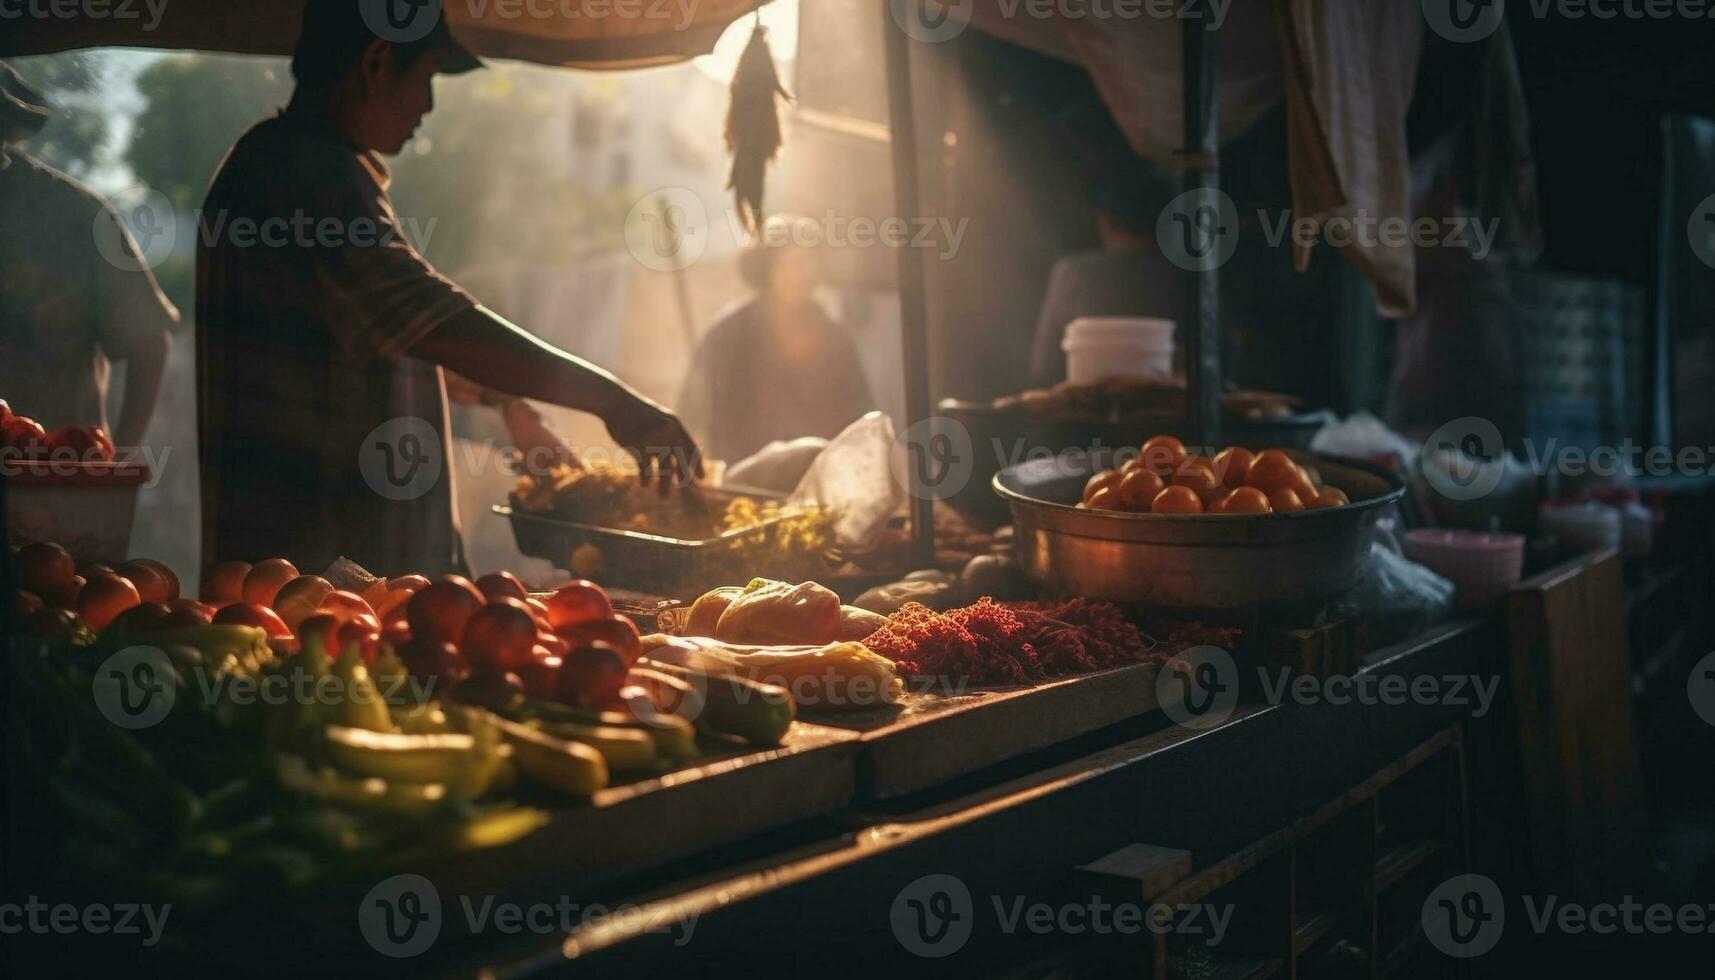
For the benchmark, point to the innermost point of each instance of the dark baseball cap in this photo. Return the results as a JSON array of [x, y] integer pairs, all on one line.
[[336, 31]]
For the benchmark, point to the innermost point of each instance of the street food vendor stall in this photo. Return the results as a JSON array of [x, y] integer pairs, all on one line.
[[1215, 687]]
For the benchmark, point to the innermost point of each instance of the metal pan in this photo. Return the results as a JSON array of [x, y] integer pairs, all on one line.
[[1192, 563], [639, 560]]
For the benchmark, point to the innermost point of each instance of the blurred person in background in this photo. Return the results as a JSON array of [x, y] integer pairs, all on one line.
[[1126, 276], [322, 402], [776, 367], [75, 293]]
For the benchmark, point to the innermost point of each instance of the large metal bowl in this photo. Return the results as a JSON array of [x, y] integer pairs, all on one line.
[[1192, 563]]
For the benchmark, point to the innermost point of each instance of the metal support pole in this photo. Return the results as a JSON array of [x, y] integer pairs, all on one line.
[[913, 303], [1202, 163]]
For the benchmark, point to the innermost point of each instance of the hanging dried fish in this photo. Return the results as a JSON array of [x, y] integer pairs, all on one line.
[[753, 126]]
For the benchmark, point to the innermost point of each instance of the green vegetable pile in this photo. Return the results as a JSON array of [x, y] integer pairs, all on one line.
[[230, 792]]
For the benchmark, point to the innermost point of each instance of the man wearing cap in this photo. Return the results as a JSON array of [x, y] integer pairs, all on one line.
[[323, 332], [74, 294]]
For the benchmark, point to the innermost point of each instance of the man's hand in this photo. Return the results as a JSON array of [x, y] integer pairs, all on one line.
[[655, 437], [539, 447]]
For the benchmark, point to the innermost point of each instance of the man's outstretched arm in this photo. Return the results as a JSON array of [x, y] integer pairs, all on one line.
[[484, 347]]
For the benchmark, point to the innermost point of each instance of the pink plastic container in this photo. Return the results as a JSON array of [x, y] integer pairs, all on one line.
[[1481, 566]]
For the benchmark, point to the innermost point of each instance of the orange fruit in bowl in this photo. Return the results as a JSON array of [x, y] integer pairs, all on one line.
[[1162, 454], [1198, 473], [1106, 478], [1329, 497], [1137, 490], [1177, 499], [1302, 485], [1285, 500], [1272, 468], [1314, 474], [1244, 500], [1102, 499], [1233, 464]]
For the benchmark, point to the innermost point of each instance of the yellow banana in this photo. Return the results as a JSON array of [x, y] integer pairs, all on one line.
[[625, 749], [572, 768], [402, 758]]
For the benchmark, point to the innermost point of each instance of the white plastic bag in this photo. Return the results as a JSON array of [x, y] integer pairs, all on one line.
[[854, 477], [779, 466], [1359, 435], [1401, 596]]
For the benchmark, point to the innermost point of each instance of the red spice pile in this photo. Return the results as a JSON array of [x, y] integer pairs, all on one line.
[[1180, 635], [1014, 643]]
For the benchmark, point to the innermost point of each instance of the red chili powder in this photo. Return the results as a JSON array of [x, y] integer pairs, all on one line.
[[1022, 642]]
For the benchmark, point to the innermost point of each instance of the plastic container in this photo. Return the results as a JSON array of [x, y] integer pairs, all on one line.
[[1102, 347], [86, 507], [1481, 566]]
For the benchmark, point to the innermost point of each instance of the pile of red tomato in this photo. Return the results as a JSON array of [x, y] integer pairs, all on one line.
[[54, 597], [24, 437], [489, 639]]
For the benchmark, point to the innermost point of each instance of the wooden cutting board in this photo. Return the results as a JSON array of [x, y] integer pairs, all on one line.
[[714, 802], [935, 736]]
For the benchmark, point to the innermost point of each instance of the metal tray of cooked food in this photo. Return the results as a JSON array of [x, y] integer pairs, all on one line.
[[638, 559], [1195, 563]]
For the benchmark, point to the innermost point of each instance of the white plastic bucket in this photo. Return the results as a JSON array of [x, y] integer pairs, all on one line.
[[1102, 347]]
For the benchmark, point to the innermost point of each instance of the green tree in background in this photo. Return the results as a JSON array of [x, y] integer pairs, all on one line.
[[488, 169], [195, 107], [75, 140]]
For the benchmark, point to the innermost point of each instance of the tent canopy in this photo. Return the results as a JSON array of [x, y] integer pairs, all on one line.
[[1345, 69], [608, 34]]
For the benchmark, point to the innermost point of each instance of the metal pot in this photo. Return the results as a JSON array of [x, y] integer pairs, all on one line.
[[1192, 563]]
